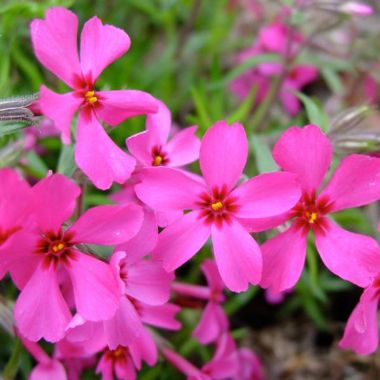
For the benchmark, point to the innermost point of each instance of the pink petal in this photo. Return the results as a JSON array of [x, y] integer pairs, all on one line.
[[306, 152], [158, 124], [210, 270], [96, 291], [289, 101], [98, 156], [361, 332], [116, 106], [223, 154], [54, 200], [40, 310], [181, 240], [47, 371], [61, 109], [263, 224], [148, 282], [108, 225], [139, 146], [212, 325], [184, 147], [167, 189], [353, 257], [267, 195], [100, 45], [162, 316], [145, 239], [283, 259], [237, 256], [124, 327], [182, 364], [143, 348], [356, 182], [55, 44]]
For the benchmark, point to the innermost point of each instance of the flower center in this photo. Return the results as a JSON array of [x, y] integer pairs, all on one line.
[[311, 217], [119, 354], [217, 206], [157, 160], [159, 157], [58, 247], [90, 97]]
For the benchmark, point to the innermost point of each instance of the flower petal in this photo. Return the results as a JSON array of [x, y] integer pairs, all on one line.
[[267, 195], [168, 189], [96, 291], [184, 147], [210, 270], [223, 154], [40, 310], [47, 371], [162, 316], [61, 109], [124, 327], [181, 240], [140, 147], [98, 156], [283, 259], [100, 45], [55, 44], [356, 182], [108, 225], [148, 282], [158, 124], [353, 257], [237, 256], [54, 200], [306, 152], [116, 106], [361, 332]]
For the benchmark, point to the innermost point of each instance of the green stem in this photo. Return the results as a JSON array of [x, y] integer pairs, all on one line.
[[12, 366]]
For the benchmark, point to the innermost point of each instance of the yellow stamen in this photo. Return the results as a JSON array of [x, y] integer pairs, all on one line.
[[311, 217], [58, 247], [217, 206], [157, 160], [118, 352], [90, 97]]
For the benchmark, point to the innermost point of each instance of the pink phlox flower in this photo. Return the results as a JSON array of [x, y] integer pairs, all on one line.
[[55, 45], [356, 182], [213, 322], [49, 251], [219, 208], [361, 333], [152, 148], [250, 366]]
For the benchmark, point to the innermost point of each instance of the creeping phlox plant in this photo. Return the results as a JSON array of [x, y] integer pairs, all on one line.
[[109, 312]]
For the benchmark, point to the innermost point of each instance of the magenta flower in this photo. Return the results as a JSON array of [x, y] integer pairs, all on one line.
[[218, 207], [15, 197], [274, 39], [356, 182], [55, 45], [361, 332], [214, 321], [152, 148], [47, 253]]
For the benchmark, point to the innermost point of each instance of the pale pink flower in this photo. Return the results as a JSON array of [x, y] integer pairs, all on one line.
[[356, 8], [307, 152], [55, 45], [218, 207], [47, 253]]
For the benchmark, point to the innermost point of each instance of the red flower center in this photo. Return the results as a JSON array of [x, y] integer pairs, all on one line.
[[119, 354], [310, 211], [56, 247], [90, 97], [159, 157], [5, 234], [218, 206]]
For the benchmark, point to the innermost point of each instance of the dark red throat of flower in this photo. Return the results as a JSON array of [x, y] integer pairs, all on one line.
[[5, 234], [159, 157], [120, 354], [55, 247]]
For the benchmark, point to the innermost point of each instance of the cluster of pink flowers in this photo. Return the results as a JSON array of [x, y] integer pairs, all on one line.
[[99, 312]]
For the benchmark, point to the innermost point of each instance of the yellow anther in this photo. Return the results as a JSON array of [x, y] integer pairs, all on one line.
[[217, 206], [118, 352], [58, 247], [311, 217], [90, 97], [157, 160]]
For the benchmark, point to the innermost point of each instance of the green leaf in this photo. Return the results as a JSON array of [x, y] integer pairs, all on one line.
[[200, 101], [66, 163], [332, 79], [9, 127], [263, 154], [36, 166], [243, 111], [314, 111]]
